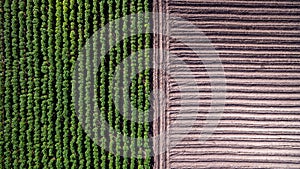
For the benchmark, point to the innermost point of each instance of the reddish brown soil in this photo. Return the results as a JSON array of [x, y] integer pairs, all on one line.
[[258, 43]]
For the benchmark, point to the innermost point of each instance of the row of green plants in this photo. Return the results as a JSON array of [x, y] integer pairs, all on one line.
[[40, 41]]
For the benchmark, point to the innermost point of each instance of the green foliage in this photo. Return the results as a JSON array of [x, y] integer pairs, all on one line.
[[80, 135], [95, 54], [66, 84], [23, 85], [37, 84], [58, 85], [15, 82], [110, 82], [87, 142], [73, 52], [51, 83], [126, 76], [30, 84], [40, 41], [117, 84], [103, 84], [8, 86], [147, 89], [133, 87], [44, 81], [2, 85]]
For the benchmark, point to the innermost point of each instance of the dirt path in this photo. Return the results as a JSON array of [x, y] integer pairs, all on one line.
[[258, 43]]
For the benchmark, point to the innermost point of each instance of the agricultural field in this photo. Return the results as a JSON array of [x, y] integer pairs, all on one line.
[[232, 84], [203, 84], [39, 46]]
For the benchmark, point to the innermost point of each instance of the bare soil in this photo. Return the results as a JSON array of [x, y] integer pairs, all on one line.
[[258, 43]]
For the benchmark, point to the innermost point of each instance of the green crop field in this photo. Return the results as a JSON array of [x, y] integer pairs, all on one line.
[[39, 46]]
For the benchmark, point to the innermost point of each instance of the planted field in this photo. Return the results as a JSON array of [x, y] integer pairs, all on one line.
[[39, 46]]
